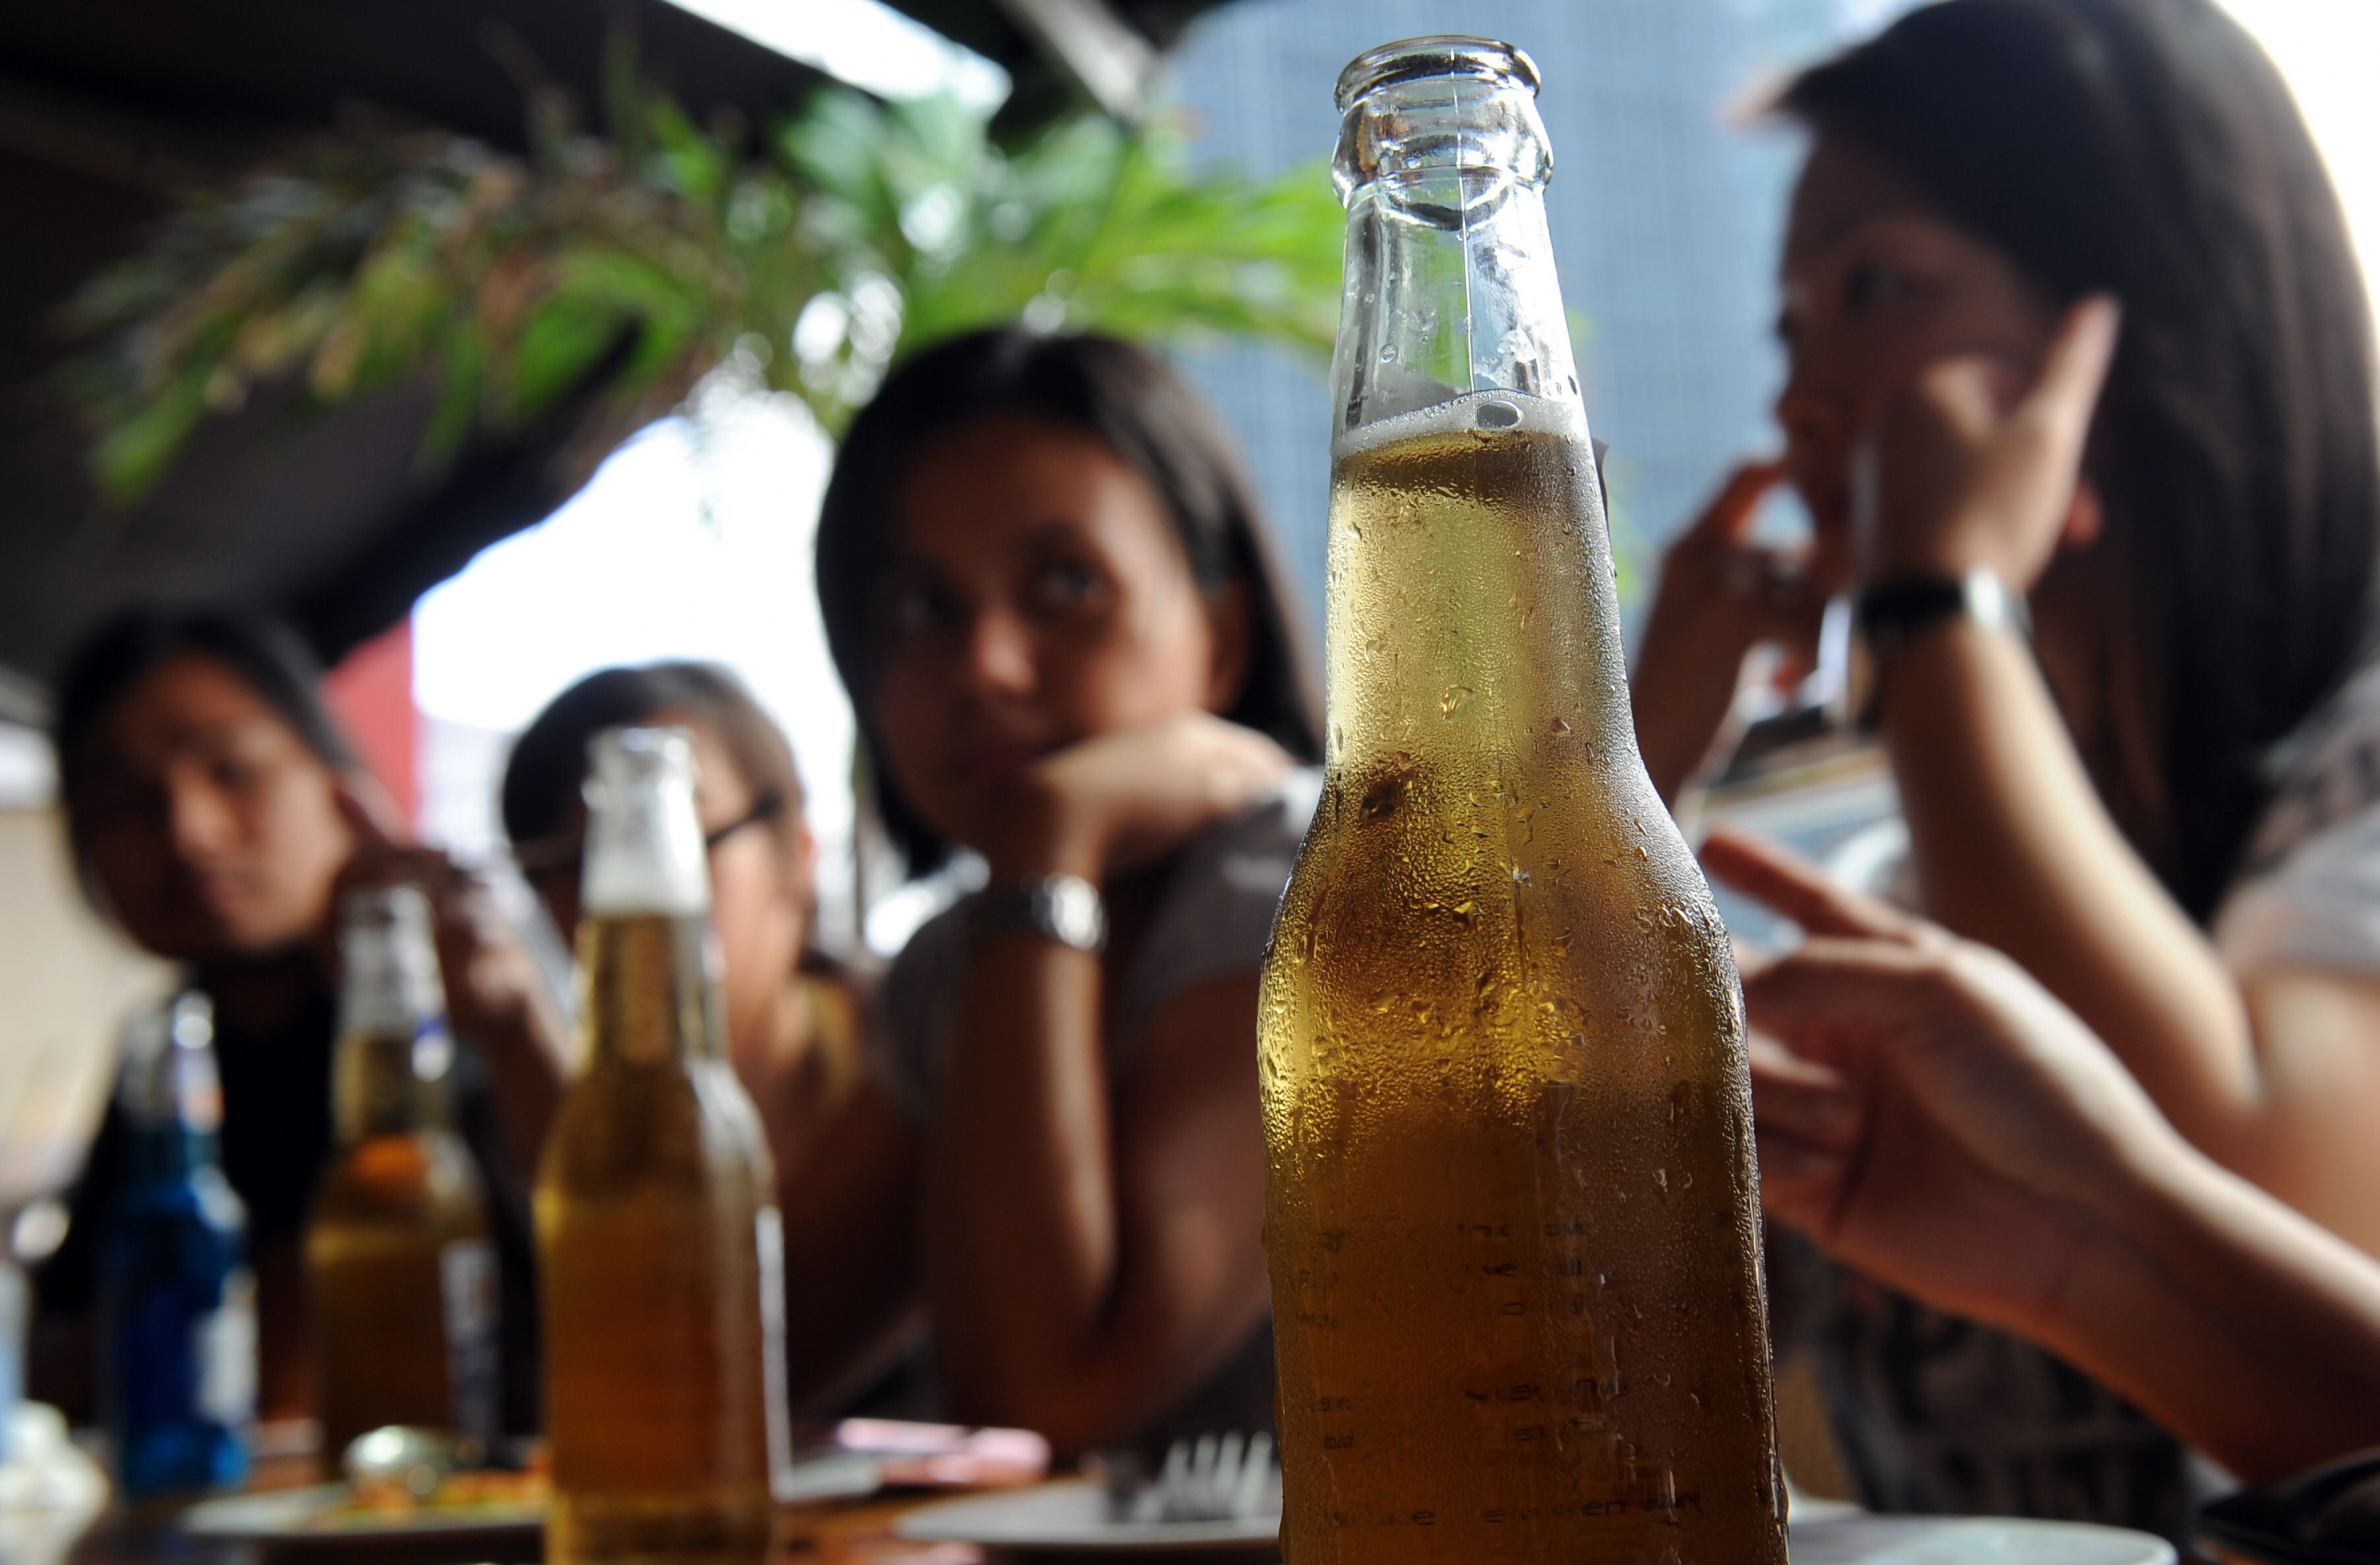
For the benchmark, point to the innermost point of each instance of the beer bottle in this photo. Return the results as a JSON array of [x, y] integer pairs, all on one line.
[[658, 1238], [177, 1302], [400, 1273], [1512, 1217]]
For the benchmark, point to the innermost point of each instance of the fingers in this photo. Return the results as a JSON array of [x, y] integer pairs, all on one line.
[[1809, 1123], [2068, 388], [1729, 514], [1968, 393], [1800, 1183], [1800, 890], [368, 810], [1835, 1001], [1803, 1098]]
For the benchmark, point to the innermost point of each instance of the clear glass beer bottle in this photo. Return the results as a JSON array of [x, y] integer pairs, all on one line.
[[401, 1275], [1513, 1216], [658, 1240]]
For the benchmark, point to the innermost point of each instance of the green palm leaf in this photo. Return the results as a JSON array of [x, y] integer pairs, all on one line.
[[852, 234]]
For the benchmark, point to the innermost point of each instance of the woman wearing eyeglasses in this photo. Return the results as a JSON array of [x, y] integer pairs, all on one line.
[[796, 1022]]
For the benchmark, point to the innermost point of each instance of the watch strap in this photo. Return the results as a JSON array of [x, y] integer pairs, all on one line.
[[1064, 908], [1890, 613]]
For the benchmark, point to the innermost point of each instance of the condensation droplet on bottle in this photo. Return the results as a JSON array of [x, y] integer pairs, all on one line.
[[1496, 415], [1455, 696], [1387, 353]]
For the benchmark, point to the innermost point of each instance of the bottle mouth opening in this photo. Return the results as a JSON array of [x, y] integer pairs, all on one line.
[[1446, 54]]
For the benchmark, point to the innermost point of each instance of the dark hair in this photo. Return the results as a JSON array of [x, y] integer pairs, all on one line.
[[549, 760], [2148, 149], [1130, 402], [266, 655]]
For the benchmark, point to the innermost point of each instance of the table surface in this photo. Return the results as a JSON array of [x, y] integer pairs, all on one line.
[[860, 1533], [850, 1532]]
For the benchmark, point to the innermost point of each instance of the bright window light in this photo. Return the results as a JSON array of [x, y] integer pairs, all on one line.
[[2325, 50], [692, 541], [865, 43]]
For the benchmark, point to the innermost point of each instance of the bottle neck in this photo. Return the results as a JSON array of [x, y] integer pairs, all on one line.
[[170, 1092], [1472, 618], [389, 1067], [648, 967], [648, 988], [390, 1080], [1449, 284], [1471, 603], [161, 1154]]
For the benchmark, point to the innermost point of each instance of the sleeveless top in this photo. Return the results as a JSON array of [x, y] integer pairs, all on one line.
[[1213, 918], [1936, 1413]]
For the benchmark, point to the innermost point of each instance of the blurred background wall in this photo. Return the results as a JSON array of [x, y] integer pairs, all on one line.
[[1666, 206]]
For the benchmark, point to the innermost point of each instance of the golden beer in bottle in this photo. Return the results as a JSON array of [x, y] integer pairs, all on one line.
[[1512, 1215], [401, 1277], [658, 1241]]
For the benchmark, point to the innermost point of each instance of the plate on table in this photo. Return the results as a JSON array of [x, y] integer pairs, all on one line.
[[326, 1515], [1071, 1518], [1855, 1537]]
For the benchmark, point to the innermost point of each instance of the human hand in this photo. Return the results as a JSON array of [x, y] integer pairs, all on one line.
[[1720, 595], [1925, 1111], [1130, 797], [1968, 469], [496, 994]]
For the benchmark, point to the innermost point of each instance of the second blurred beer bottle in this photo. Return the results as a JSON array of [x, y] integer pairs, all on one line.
[[400, 1272], [658, 1239]]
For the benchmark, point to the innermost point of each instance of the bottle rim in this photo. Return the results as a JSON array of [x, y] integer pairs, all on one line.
[[1438, 55]]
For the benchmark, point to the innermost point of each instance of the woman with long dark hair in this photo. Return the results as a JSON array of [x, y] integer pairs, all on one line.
[[1049, 591], [217, 816], [2074, 321]]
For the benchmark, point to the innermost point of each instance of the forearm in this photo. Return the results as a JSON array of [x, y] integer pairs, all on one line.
[[1020, 1205], [1682, 691], [2237, 1323], [525, 1076], [848, 1203], [2014, 849]]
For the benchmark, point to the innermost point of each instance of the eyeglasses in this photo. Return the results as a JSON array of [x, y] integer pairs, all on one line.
[[549, 860]]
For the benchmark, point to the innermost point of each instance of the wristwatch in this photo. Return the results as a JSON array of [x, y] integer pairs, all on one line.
[[1890, 613], [1064, 908]]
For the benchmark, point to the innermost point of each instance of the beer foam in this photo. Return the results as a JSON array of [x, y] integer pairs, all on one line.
[[1490, 409], [623, 884], [645, 851]]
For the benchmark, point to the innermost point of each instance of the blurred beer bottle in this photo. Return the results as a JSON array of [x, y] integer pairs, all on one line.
[[400, 1274], [1512, 1217], [658, 1239], [177, 1302]]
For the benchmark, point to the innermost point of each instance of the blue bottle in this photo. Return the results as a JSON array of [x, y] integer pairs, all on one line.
[[177, 1302]]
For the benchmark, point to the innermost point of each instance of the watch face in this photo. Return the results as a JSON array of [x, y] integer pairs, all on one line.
[[1064, 908], [1076, 916]]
